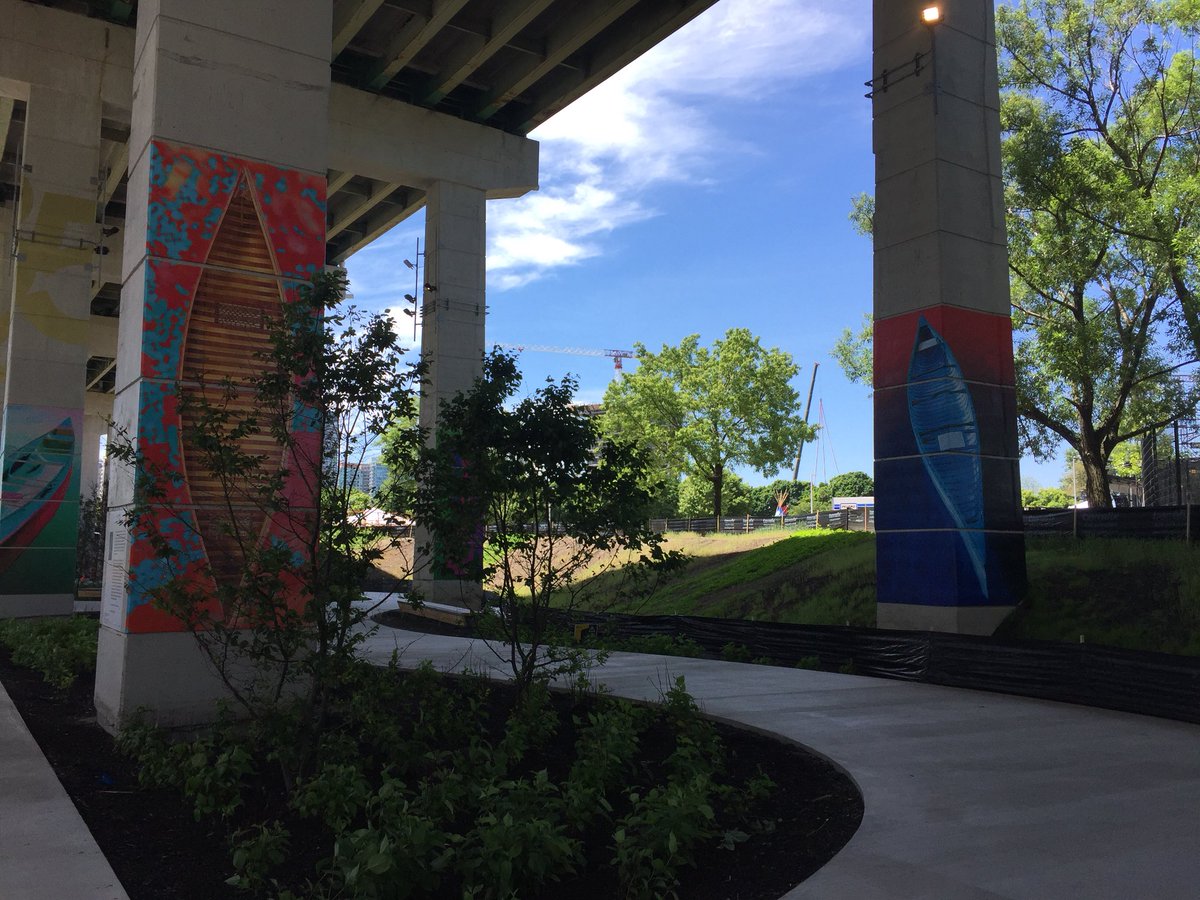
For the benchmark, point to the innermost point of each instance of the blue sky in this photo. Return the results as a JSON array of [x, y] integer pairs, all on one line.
[[704, 187]]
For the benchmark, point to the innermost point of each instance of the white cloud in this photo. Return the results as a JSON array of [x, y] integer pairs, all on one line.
[[647, 125]]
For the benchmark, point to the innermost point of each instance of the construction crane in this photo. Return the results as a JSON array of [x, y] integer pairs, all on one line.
[[616, 355]]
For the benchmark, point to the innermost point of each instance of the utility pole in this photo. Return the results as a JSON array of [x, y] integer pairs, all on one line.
[[807, 408], [415, 265]]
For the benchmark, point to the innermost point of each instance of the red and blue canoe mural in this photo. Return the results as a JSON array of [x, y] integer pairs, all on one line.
[[947, 433]]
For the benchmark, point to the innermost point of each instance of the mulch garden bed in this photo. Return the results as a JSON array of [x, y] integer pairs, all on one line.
[[159, 851]]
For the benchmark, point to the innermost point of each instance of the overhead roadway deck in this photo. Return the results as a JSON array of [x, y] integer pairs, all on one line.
[[507, 64]]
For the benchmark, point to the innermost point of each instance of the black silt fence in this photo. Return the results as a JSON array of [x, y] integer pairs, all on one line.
[[1170, 522], [1156, 684]]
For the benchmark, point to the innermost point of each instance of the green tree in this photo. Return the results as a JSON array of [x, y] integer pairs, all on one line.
[[852, 484], [1052, 498], [695, 497], [282, 623], [1102, 176], [1126, 460], [664, 497], [854, 352], [399, 453], [1099, 117], [532, 500], [704, 410], [862, 214], [1118, 79], [762, 497]]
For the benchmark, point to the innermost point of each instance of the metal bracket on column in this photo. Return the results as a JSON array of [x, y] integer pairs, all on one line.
[[884, 80]]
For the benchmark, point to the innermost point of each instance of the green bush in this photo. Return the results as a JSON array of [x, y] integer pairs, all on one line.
[[61, 648], [454, 796], [661, 834], [256, 851], [660, 644], [734, 652], [335, 795]]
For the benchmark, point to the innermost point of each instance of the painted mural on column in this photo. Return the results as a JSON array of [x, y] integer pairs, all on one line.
[[47, 330], [227, 241], [947, 482], [38, 508]]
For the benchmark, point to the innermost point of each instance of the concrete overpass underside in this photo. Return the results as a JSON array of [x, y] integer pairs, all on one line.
[[131, 131]]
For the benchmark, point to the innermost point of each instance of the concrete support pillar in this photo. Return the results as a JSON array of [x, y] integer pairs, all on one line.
[[950, 548], [97, 410], [46, 352], [452, 337], [225, 220]]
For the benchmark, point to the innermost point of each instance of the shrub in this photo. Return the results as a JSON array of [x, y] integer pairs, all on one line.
[[467, 810], [529, 499], [60, 648], [733, 652], [661, 644]]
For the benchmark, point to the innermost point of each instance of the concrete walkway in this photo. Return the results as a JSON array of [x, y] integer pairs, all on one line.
[[46, 851], [969, 795]]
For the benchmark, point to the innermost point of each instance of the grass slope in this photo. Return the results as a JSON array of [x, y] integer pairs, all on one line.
[[819, 576], [1140, 594], [1121, 592]]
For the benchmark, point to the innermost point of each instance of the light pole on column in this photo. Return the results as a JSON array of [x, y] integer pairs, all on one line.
[[415, 265], [932, 17]]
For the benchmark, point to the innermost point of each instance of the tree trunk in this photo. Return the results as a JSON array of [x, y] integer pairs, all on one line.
[[1095, 472], [718, 481]]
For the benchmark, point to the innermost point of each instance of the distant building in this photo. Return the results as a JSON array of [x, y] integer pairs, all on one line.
[[590, 410], [356, 476], [853, 502], [379, 474]]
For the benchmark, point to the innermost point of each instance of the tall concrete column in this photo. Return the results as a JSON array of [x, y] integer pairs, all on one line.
[[225, 221], [950, 547], [97, 410], [46, 352], [452, 337]]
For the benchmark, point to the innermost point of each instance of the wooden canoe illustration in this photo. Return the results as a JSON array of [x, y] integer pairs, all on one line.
[[36, 478], [236, 298], [943, 421]]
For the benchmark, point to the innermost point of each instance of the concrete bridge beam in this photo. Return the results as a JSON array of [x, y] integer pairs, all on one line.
[[392, 141]]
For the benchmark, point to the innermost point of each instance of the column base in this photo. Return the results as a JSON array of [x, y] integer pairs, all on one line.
[[20, 606], [983, 620], [466, 594], [165, 674]]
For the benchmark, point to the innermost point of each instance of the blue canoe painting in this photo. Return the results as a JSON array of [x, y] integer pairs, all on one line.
[[947, 433]]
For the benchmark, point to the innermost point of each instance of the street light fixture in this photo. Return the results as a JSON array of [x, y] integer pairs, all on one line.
[[412, 298], [931, 16]]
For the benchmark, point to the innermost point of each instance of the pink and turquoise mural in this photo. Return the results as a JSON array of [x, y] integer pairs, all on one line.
[[46, 335], [228, 240], [39, 508]]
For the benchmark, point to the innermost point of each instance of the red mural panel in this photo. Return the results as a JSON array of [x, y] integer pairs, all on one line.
[[227, 238]]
